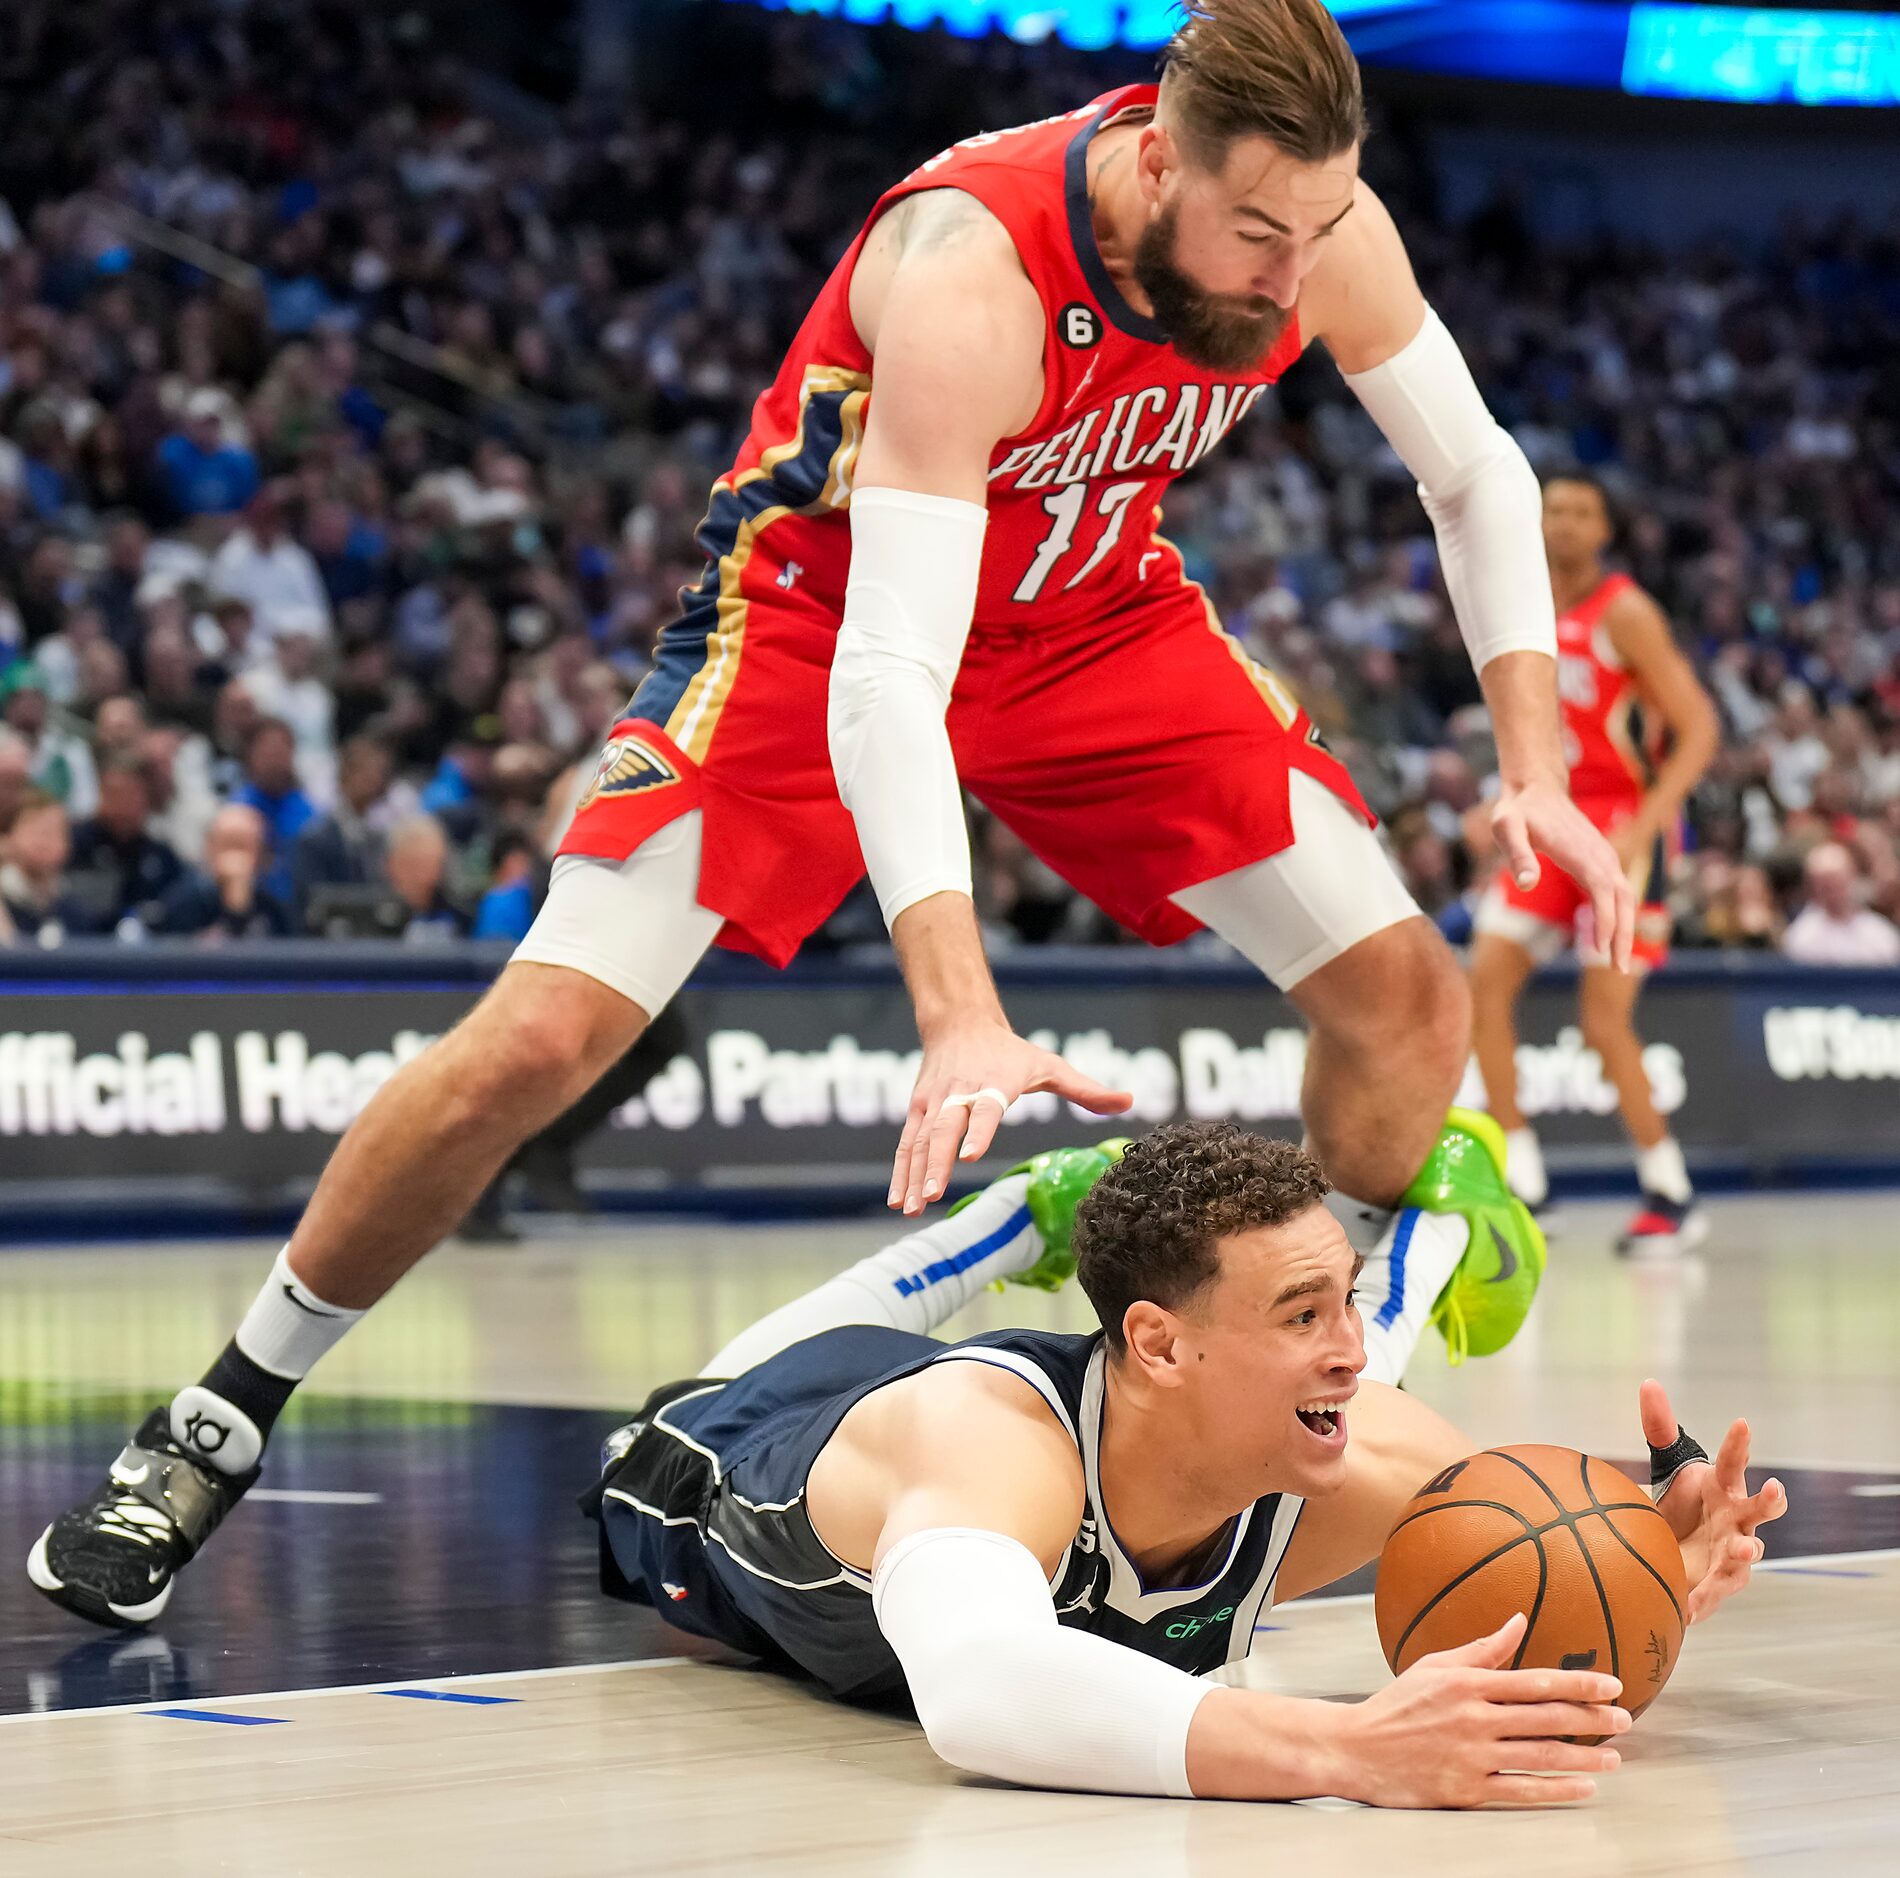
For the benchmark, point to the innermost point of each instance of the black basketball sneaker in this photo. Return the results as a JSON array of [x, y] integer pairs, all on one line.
[[113, 1559]]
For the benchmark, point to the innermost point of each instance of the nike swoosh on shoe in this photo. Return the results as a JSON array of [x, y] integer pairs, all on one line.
[[1507, 1260]]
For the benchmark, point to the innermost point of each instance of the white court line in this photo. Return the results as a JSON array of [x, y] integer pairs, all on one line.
[[671, 1662], [1886, 1490], [351, 1688], [314, 1496]]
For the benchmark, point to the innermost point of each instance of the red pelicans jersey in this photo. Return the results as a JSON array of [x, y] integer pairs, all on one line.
[[1099, 710], [1609, 765], [1073, 498]]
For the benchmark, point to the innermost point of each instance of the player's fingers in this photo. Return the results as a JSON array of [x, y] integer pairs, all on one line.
[[940, 1152], [1659, 1419], [1482, 1652], [916, 1156], [1561, 1718], [1084, 1091], [1532, 1790], [1731, 1461], [1614, 917], [1558, 1757], [986, 1116], [1586, 1687], [1507, 829], [900, 1165], [1721, 1584], [1770, 1503]]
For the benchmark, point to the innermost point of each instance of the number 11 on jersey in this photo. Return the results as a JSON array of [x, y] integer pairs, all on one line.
[[1064, 510]]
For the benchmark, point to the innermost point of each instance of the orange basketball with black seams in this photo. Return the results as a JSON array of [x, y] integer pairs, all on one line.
[[1570, 1541]]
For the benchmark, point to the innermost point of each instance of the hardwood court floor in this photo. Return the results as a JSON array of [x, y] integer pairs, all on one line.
[[423, 1528]]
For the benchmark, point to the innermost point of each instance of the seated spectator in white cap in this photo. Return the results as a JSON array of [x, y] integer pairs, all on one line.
[[1834, 928], [262, 563], [200, 472]]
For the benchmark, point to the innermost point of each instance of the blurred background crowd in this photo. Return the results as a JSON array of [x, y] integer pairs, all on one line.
[[357, 410]]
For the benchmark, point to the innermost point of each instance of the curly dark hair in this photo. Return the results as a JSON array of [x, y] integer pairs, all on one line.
[[1149, 1226]]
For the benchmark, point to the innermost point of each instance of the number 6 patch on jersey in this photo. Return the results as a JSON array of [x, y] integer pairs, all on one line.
[[1079, 325]]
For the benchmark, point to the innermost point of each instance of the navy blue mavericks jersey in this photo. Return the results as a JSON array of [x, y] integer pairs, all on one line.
[[704, 1515]]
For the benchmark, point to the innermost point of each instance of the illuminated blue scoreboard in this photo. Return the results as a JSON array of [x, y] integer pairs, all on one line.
[[1744, 55]]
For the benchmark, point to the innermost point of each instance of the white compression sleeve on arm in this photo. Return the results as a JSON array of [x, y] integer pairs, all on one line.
[[1481, 494], [907, 607], [1002, 1689]]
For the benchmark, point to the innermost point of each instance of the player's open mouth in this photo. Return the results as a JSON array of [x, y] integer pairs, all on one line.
[[1327, 1420]]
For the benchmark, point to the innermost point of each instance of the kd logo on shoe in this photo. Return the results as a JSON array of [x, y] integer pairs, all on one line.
[[206, 1435], [627, 766]]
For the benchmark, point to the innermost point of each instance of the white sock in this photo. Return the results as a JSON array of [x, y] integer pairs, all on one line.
[[289, 1327], [1400, 1282], [1524, 1166], [1662, 1170], [915, 1284], [286, 1329], [1365, 1225]]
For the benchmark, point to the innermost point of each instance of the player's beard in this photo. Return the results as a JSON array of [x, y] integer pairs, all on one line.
[[1220, 332]]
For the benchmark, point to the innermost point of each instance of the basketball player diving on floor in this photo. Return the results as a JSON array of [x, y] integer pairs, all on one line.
[[1046, 1541], [935, 562]]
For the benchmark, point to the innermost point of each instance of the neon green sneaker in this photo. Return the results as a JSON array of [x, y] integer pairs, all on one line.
[[1489, 1295], [1058, 1180]]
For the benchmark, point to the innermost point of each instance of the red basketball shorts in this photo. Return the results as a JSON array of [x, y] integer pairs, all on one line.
[[1138, 756], [1543, 919]]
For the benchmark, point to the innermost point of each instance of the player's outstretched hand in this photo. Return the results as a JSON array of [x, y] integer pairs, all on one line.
[[1710, 1509], [1459, 1729], [1540, 818], [968, 1079]]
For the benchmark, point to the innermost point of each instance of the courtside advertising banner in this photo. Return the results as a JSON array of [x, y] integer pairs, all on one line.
[[241, 1089]]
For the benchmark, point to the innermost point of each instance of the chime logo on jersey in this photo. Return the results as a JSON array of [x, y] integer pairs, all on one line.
[[627, 766], [1159, 430]]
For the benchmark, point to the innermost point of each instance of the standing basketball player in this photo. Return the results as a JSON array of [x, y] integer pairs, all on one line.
[[959, 579], [1626, 691], [1047, 1541]]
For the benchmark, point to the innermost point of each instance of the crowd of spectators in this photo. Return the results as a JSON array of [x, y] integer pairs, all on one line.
[[352, 440]]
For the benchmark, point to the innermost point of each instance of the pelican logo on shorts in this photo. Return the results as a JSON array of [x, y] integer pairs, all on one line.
[[627, 766]]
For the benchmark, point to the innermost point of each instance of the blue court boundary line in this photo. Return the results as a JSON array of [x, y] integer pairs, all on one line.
[[450, 1695], [217, 1715]]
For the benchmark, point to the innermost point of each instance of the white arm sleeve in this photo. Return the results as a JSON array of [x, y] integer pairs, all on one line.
[[1002, 1689], [907, 607], [1481, 494]]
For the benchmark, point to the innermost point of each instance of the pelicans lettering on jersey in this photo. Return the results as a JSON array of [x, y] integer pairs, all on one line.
[[1100, 710], [1610, 766]]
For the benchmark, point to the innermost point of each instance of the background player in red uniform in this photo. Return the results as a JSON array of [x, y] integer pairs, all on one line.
[[959, 581], [1628, 696]]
